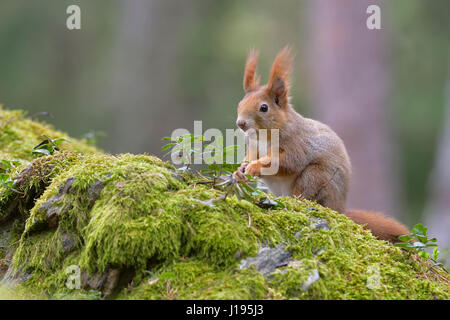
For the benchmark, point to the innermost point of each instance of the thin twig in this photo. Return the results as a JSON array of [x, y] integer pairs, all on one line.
[[204, 182]]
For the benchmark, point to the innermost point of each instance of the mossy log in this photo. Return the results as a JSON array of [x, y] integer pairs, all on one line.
[[137, 229]]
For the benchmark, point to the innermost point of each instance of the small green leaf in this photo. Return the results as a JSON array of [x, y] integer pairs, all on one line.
[[43, 143], [167, 146], [41, 151], [405, 238], [422, 239], [420, 229], [435, 254], [4, 177], [419, 244], [58, 141]]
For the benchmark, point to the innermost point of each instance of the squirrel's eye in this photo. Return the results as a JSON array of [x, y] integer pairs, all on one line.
[[263, 108]]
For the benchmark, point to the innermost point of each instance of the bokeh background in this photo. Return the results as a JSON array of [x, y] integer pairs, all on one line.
[[138, 69]]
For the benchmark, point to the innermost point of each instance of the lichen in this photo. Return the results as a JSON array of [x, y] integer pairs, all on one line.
[[165, 238]]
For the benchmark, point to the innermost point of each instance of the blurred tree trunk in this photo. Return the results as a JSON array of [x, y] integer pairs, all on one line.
[[437, 210], [350, 91], [144, 86]]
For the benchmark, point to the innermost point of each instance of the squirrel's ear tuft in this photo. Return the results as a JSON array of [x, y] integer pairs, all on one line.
[[251, 79], [279, 81]]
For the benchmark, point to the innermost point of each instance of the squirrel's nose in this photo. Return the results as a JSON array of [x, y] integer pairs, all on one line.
[[241, 123]]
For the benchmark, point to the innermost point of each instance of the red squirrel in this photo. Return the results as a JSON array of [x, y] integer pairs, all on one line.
[[313, 161]]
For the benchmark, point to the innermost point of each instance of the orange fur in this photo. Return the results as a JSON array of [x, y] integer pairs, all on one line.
[[313, 161], [251, 79], [382, 227], [279, 80]]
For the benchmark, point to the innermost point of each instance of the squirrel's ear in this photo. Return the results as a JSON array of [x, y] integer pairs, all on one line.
[[251, 79], [279, 82]]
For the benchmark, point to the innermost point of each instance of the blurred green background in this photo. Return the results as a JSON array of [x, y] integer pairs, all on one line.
[[139, 69]]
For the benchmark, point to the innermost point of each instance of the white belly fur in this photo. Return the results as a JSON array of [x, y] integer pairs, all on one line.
[[280, 185]]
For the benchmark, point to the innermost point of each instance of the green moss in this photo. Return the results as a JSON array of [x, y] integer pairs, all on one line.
[[197, 280], [18, 136], [133, 213]]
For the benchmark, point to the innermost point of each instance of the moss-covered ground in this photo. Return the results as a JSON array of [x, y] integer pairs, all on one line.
[[136, 222]]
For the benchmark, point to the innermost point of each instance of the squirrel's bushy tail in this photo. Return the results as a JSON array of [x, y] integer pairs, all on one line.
[[382, 227]]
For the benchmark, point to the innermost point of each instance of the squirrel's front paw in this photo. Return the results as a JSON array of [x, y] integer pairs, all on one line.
[[239, 174], [253, 169]]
